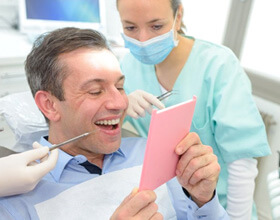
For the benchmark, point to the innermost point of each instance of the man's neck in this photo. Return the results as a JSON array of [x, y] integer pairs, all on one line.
[[96, 159], [75, 148]]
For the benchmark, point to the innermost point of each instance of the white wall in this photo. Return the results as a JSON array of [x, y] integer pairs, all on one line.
[[206, 19], [113, 22], [8, 13]]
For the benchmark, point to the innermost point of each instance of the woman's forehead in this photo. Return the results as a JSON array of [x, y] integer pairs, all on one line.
[[140, 6]]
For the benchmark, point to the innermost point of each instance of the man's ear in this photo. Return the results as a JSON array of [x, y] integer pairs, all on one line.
[[47, 103]]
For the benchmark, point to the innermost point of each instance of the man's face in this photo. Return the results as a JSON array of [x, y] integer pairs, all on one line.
[[94, 101]]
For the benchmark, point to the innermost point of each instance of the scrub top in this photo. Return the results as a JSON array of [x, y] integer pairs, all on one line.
[[225, 118]]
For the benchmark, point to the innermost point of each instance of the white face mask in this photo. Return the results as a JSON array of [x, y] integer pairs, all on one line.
[[152, 51]]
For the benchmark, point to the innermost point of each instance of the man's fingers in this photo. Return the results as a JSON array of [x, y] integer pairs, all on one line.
[[207, 172], [140, 201], [133, 192], [157, 216], [191, 139], [148, 212], [191, 157], [198, 168]]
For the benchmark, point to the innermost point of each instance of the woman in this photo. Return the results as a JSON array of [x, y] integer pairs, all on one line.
[[226, 118]]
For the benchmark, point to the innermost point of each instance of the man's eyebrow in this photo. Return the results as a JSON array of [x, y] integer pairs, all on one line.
[[90, 82], [98, 81], [121, 78]]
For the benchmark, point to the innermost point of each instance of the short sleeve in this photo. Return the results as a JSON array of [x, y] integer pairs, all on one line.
[[237, 124]]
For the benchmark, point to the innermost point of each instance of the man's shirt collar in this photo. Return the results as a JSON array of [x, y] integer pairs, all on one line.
[[64, 158]]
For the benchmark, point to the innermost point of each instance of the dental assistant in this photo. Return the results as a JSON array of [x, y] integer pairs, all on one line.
[[163, 58]]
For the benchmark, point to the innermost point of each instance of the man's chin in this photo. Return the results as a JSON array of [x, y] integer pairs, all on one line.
[[111, 147]]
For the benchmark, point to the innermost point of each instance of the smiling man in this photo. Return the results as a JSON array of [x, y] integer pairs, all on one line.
[[78, 85], [91, 102]]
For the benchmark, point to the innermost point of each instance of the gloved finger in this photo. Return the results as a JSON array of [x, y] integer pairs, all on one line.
[[35, 154], [153, 100], [41, 169], [36, 145], [132, 113], [139, 110], [150, 109], [144, 102]]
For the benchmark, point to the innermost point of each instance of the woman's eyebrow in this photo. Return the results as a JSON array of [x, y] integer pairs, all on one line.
[[149, 22], [155, 20]]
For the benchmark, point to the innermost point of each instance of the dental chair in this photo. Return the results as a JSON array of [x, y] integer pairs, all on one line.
[[27, 122]]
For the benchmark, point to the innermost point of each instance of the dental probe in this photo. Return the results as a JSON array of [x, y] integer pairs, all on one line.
[[54, 146]]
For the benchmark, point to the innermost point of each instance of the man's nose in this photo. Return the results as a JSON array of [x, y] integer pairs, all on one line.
[[117, 100]]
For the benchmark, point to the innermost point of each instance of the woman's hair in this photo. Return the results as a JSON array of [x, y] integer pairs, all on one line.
[[175, 5], [44, 70]]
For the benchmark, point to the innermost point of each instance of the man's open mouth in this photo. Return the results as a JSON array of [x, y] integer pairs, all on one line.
[[108, 124]]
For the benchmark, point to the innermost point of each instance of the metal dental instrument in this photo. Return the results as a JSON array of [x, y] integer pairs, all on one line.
[[164, 95], [54, 146]]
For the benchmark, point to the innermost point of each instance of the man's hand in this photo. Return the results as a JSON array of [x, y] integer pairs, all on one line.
[[20, 173], [198, 168], [140, 101], [138, 205]]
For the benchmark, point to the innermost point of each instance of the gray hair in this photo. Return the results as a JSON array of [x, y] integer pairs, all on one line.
[[42, 66]]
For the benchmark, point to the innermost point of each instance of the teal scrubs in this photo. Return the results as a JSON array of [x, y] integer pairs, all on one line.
[[226, 117]]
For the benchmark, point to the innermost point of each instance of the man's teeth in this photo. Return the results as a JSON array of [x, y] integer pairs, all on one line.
[[108, 122]]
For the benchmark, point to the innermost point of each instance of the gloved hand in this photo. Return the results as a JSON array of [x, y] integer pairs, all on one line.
[[141, 101], [20, 173]]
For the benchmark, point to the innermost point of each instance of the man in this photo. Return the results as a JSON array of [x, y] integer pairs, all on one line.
[[77, 84]]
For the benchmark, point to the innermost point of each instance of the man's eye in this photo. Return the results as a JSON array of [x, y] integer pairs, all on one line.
[[120, 88], [95, 92]]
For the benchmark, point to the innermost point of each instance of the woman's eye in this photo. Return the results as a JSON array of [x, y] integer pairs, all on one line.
[[130, 28], [157, 27], [120, 88]]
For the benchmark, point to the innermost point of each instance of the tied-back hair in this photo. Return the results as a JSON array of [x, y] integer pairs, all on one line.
[[175, 5]]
